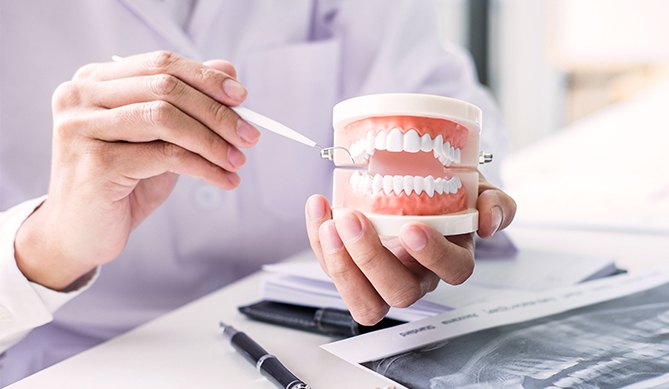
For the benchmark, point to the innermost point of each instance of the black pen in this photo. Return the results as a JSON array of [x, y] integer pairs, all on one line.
[[266, 363]]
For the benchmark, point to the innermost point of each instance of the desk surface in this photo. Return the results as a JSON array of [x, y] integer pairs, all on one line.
[[183, 349]]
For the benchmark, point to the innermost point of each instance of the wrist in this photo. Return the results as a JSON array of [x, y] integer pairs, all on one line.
[[40, 257]]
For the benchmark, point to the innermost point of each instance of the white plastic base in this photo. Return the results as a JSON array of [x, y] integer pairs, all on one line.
[[453, 224]]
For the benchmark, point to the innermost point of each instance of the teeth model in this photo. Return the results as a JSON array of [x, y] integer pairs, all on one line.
[[403, 185], [421, 154], [409, 142]]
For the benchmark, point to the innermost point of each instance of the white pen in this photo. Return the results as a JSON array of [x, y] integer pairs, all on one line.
[[266, 363]]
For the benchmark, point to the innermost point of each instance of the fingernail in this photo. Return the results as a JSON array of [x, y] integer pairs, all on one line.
[[247, 132], [234, 89], [349, 226], [330, 239], [235, 157], [316, 208], [414, 238], [497, 216]]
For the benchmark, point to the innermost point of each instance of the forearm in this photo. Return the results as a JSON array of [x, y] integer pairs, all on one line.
[[24, 305], [41, 258]]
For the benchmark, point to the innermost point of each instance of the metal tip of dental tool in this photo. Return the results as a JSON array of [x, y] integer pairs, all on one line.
[[485, 157], [328, 152]]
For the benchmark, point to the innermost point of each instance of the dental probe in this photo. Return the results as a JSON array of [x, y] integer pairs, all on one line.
[[277, 128]]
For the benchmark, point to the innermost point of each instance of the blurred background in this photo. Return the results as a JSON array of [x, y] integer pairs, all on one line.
[[584, 88]]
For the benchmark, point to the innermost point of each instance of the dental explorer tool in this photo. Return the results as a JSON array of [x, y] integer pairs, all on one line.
[[281, 129]]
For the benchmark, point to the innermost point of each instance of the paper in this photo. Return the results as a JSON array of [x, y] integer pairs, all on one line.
[[611, 332], [301, 281]]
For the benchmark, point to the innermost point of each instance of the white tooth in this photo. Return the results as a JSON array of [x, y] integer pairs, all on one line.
[[377, 185], [458, 183], [450, 186], [387, 184], [355, 150], [411, 141], [426, 143], [398, 184], [380, 141], [408, 185], [429, 185], [457, 155], [394, 141], [366, 183], [448, 151], [439, 186], [438, 145], [418, 184], [355, 178], [369, 143]]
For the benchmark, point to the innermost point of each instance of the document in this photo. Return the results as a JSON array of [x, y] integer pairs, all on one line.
[[612, 332], [301, 281]]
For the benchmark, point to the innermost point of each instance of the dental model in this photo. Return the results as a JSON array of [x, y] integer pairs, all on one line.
[[420, 153]]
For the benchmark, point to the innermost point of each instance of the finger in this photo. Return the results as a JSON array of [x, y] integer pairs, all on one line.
[[451, 260], [397, 285], [496, 209], [222, 65], [212, 82], [146, 122], [316, 212], [164, 87], [365, 304], [137, 161]]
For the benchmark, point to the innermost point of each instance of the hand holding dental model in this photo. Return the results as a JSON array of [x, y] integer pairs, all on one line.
[[386, 245]]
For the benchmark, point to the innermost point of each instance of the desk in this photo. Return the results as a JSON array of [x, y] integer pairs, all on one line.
[[183, 349]]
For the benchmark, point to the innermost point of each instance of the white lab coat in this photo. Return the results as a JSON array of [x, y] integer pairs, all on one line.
[[297, 59]]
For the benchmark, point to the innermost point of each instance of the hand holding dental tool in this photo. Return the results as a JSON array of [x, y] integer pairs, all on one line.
[[266, 363], [276, 127]]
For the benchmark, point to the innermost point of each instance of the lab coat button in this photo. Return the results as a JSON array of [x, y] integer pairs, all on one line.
[[208, 197]]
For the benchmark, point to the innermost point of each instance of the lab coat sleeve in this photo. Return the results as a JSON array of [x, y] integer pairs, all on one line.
[[401, 49], [24, 305]]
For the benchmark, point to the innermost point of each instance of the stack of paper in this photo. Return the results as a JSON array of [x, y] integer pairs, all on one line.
[[301, 281]]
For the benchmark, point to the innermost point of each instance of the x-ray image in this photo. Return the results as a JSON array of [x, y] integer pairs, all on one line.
[[607, 345]]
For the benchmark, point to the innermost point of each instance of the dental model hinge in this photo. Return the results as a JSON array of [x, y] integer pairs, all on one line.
[[328, 152], [485, 157]]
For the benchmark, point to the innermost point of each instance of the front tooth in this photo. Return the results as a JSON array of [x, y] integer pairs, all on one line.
[[387, 184], [398, 184], [394, 141], [439, 186], [369, 143], [377, 184], [438, 146], [380, 141], [411, 141], [418, 185], [426, 143], [408, 185], [429, 185]]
